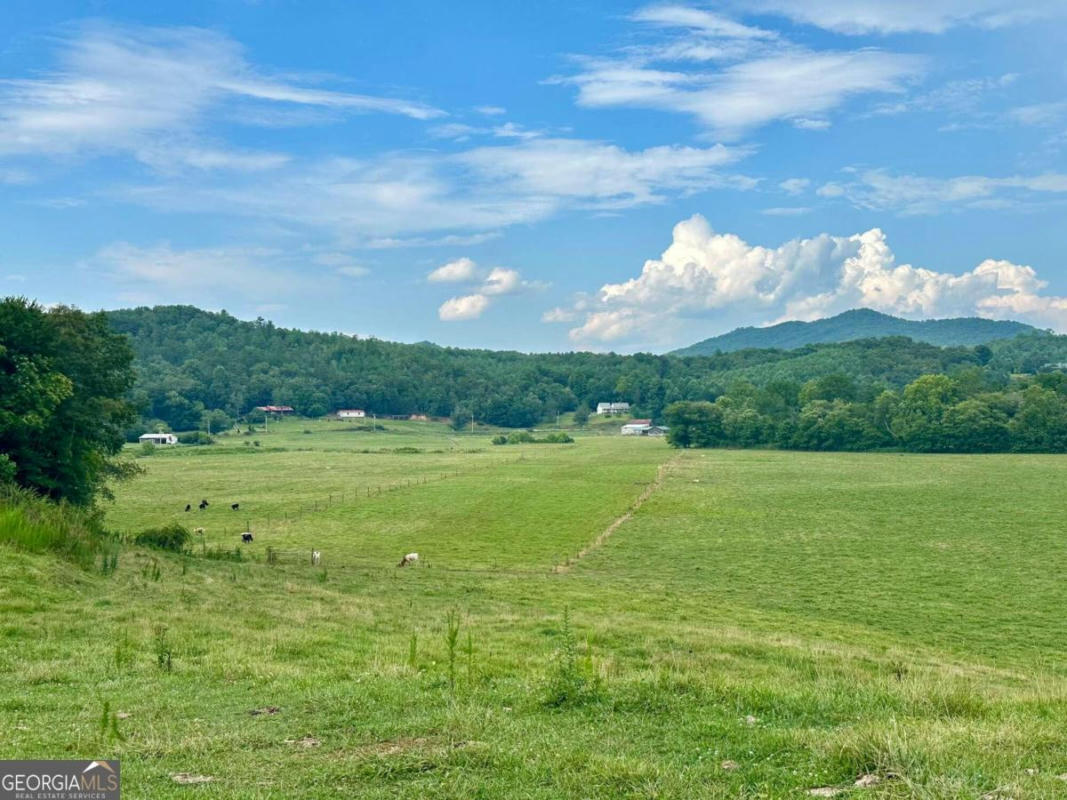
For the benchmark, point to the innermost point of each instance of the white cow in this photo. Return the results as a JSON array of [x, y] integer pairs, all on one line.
[[316, 556], [409, 560]]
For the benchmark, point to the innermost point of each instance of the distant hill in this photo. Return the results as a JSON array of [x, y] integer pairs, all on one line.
[[860, 323]]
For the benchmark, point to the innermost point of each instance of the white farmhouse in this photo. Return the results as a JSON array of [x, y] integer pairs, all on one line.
[[351, 413], [158, 438], [609, 409]]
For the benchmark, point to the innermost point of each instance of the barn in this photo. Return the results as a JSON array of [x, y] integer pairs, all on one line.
[[642, 427], [351, 413], [158, 438]]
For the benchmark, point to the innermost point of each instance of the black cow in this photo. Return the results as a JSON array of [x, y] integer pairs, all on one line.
[[246, 537], [235, 506], [204, 504], [188, 507]]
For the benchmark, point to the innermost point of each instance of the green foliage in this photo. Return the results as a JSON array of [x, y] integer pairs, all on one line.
[[932, 414], [196, 438], [147, 449], [64, 377], [34, 524], [173, 537], [451, 643], [163, 650], [525, 437], [573, 681]]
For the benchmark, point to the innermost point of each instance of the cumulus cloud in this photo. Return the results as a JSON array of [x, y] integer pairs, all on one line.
[[144, 90], [497, 282], [469, 306], [462, 269], [733, 77], [718, 276], [901, 16]]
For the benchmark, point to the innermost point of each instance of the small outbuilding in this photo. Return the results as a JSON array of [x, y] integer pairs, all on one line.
[[351, 413], [643, 427], [158, 438]]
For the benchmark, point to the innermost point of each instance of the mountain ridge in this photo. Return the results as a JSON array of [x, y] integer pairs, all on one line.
[[855, 324]]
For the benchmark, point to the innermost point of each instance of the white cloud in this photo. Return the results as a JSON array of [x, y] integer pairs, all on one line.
[[559, 315], [497, 282], [794, 185], [462, 269], [1039, 113], [353, 271], [830, 189], [501, 280], [708, 275], [462, 308], [144, 90], [380, 202], [913, 194], [900, 16], [748, 77], [491, 111], [786, 211]]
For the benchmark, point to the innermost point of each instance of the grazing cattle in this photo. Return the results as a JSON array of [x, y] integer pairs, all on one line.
[[246, 537], [204, 504], [409, 560], [199, 531], [235, 506], [188, 507], [315, 557]]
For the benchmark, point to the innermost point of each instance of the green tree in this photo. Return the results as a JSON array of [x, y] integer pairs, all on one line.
[[69, 376]]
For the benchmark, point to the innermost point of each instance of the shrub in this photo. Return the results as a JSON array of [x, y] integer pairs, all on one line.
[[147, 448], [196, 437], [521, 437], [500, 439], [168, 537], [558, 438]]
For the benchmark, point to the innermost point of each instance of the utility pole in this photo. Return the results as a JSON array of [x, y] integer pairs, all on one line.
[[472, 423]]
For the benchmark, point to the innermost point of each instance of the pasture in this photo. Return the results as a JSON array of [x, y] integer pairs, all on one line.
[[762, 625]]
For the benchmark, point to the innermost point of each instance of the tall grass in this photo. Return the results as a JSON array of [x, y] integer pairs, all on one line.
[[33, 524]]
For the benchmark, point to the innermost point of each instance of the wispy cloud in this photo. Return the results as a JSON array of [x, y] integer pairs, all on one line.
[[903, 16], [883, 190], [744, 77], [148, 90], [381, 201]]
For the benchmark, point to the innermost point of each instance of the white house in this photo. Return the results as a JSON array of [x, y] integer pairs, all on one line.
[[351, 413], [607, 409], [642, 427], [158, 438]]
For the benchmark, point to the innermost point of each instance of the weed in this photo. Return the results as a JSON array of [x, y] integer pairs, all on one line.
[[451, 640], [574, 682], [413, 650], [163, 649]]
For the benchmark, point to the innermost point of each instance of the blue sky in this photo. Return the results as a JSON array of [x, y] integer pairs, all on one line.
[[538, 176]]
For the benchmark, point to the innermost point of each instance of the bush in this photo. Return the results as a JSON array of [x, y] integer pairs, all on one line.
[[521, 437], [500, 439], [196, 437], [168, 537], [558, 438], [147, 448]]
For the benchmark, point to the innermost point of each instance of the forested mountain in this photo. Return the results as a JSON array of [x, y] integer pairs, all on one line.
[[860, 323], [190, 362]]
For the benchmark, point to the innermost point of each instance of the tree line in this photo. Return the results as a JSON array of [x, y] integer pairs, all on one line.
[[970, 412], [198, 369]]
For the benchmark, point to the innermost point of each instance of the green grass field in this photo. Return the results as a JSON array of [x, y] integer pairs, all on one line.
[[765, 624]]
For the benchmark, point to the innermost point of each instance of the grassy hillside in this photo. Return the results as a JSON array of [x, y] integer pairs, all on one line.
[[764, 624], [861, 323]]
